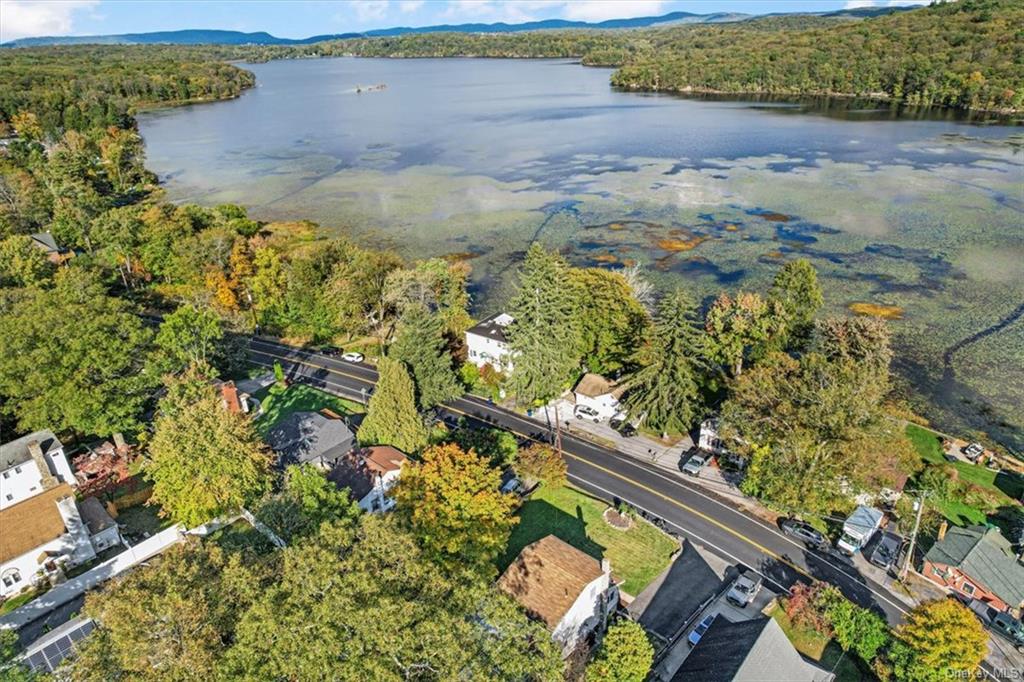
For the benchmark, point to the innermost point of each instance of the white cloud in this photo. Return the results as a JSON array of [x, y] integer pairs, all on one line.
[[857, 4], [409, 6], [369, 10], [26, 18], [600, 10]]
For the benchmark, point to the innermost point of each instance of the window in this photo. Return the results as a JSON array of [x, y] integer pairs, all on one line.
[[11, 576], [17, 470], [967, 588], [10, 497], [7, 474]]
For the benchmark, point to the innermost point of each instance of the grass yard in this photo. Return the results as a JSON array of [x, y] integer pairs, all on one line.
[[142, 520], [1006, 487], [815, 646], [299, 398], [637, 555], [19, 600]]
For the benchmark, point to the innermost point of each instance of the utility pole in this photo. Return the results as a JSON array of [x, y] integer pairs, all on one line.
[[913, 536], [558, 430]]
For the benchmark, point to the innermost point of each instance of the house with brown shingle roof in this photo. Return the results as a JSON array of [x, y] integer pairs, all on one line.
[[600, 394], [369, 474], [39, 537], [569, 591]]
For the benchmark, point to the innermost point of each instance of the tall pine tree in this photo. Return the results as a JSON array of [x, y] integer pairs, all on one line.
[[796, 288], [544, 337], [666, 388], [422, 346], [391, 418]]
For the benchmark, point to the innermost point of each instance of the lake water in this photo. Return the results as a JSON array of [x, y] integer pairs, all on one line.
[[481, 157]]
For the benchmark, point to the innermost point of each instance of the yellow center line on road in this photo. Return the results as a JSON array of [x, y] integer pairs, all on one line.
[[605, 470], [682, 505]]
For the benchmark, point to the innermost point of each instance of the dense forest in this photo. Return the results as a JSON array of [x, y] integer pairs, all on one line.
[[967, 54]]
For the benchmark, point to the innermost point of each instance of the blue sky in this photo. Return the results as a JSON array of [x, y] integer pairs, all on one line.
[[19, 18]]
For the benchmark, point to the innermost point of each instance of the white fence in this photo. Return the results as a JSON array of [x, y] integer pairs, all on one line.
[[65, 592]]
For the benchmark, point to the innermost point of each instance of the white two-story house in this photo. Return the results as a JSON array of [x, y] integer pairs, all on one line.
[[42, 529], [27, 462], [571, 592], [486, 343]]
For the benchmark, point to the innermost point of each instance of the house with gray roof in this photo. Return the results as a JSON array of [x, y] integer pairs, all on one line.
[[310, 437], [977, 562], [29, 464], [748, 651]]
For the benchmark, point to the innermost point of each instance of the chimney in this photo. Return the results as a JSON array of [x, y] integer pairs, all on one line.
[[942, 530], [119, 443], [45, 475], [229, 397]]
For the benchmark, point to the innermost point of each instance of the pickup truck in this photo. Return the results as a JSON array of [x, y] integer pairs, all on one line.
[[859, 528]]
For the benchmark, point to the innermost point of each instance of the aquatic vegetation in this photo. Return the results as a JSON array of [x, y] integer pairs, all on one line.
[[886, 312]]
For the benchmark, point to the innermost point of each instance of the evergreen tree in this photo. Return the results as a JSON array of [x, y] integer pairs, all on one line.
[[666, 388], [391, 417], [626, 655], [796, 288], [544, 338], [421, 345]]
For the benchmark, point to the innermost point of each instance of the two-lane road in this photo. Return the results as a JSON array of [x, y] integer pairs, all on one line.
[[684, 507]]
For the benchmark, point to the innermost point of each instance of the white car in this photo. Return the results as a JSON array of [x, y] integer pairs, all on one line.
[[352, 357], [744, 590], [586, 412]]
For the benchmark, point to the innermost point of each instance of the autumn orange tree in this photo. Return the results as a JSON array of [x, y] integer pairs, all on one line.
[[451, 502], [543, 463]]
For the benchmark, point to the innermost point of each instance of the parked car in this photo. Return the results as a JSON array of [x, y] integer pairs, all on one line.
[[696, 462], [887, 551], [329, 351], [701, 628], [974, 451], [625, 428], [999, 623], [352, 356], [803, 532], [744, 589], [586, 412]]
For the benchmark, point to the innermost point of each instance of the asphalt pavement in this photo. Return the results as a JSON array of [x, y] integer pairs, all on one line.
[[679, 507]]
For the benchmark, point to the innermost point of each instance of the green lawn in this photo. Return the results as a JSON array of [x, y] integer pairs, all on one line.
[[142, 519], [636, 555], [815, 646], [19, 600], [1007, 487], [299, 398]]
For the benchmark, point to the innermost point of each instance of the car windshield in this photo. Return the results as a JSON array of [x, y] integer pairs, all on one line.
[[848, 539]]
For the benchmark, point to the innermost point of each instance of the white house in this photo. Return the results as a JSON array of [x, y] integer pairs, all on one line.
[[600, 394], [28, 464], [486, 343], [369, 474], [103, 530], [572, 593], [709, 439], [42, 536]]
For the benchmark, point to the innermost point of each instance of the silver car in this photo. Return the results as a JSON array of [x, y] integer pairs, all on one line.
[[696, 463], [744, 590]]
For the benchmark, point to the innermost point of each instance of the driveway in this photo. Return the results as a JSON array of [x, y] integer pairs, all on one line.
[[682, 589]]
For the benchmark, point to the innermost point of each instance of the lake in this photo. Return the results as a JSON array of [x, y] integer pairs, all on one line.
[[921, 215]]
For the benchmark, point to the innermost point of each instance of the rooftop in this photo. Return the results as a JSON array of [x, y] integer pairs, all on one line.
[[493, 327], [46, 241], [306, 436], [95, 516], [594, 385], [547, 577], [985, 555], [750, 650], [358, 469], [16, 452], [32, 522]]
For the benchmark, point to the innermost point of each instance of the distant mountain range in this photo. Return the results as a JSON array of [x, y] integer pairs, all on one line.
[[217, 37]]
